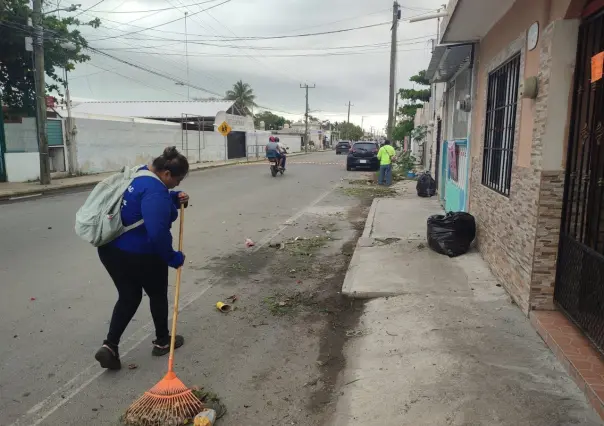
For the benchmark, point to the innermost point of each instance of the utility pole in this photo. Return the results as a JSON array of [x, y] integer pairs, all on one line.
[[349, 105], [40, 92], [71, 155], [187, 57], [395, 18], [306, 86]]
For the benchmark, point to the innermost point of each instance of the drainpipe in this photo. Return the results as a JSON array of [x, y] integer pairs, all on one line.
[[473, 83]]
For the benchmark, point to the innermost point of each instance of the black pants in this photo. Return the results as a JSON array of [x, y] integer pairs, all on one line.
[[132, 273]]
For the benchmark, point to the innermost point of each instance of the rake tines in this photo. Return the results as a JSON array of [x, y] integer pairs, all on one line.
[[168, 403]]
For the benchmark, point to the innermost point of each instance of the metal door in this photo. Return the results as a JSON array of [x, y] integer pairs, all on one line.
[[2, 144], [579, 287]]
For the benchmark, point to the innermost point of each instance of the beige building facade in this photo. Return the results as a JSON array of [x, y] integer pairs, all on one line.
[[524, 103]]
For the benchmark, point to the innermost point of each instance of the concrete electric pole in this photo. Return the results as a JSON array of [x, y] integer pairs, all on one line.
[[393, 46], [349, 105], [306, 86], [40, 92]]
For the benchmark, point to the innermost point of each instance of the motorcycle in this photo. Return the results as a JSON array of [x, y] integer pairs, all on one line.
[[275, 167]]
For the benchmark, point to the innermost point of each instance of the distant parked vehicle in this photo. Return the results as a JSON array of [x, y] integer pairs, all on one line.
[[363, 155], [343, 147]]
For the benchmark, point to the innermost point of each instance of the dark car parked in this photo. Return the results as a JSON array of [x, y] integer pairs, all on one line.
[[343, 147], [363, 155]]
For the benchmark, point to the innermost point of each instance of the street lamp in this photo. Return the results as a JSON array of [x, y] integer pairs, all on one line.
[[71, 8]]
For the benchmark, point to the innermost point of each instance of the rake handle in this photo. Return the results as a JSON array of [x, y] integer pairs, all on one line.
[[176, 293]]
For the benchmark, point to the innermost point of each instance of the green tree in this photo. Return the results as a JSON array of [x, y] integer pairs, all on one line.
[[16, 68], [420, 78], [349, 131], [244, 97], [403, 128], [412, 99], [271, 121]]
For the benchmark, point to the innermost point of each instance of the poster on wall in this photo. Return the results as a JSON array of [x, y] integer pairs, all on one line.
[[597, 67], [452, 159]]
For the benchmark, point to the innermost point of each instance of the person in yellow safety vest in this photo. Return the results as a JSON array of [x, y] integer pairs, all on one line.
[[385, 155]]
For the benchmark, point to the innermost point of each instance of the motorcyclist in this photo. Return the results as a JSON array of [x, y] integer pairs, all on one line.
[[276, 149]]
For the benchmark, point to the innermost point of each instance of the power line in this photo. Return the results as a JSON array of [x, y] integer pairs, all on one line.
[[289, 49], [304, 34], [300, 55], [167, 59], [161, 25], [172, 78], [91, 7], [217, 38], [342, 20], [133, 79], [152, 71], [152, 10]]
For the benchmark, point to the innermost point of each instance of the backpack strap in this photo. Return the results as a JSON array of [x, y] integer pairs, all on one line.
[[147, 173], [140, 173], [134, 225]]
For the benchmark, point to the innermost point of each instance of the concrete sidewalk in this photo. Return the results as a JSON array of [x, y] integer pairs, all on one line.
[[448, 347], [16, 190]]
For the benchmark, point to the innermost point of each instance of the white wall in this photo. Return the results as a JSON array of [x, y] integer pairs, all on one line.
[[22, 166], [202, 146], [105, 143], [256, 142], [21, 137], [292, 142]]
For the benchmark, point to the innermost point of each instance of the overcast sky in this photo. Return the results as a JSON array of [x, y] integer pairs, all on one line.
[[344, 66]]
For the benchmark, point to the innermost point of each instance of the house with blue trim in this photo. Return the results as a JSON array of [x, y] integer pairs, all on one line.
[[451, 67]]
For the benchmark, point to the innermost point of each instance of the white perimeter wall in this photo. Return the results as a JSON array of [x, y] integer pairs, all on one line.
[[108, 143], [256, 143], [22, 166], [21, 157]]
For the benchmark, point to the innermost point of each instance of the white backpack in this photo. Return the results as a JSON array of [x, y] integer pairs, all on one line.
[[99, 220]]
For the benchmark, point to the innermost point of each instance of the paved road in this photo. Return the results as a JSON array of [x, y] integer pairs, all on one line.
[[55, 298]]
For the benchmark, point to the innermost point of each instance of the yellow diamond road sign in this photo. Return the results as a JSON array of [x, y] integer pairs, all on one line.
[[224, 128]]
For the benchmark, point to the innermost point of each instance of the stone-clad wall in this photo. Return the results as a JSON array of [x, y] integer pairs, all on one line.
[[557, 62], [507, 225], [519, 235], [547, 239]]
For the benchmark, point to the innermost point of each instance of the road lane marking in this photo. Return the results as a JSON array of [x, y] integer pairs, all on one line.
[[45, 408]]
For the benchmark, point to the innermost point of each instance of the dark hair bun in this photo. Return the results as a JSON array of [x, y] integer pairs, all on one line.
[[170, 153]]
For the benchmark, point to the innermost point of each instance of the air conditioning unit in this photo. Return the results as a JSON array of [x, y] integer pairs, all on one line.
[[464, 105]]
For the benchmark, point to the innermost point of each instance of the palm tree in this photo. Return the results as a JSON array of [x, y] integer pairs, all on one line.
[[244, 97]]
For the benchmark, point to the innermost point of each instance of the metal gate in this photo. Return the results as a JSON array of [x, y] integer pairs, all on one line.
[[579, 287], [2, 144], [439, 129]]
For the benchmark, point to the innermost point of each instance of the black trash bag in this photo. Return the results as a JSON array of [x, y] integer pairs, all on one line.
[[426, 185], [452, 234]]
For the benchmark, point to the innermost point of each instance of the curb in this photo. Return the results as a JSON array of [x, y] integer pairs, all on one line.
[[370, 218], [355, 261], [43, 190]]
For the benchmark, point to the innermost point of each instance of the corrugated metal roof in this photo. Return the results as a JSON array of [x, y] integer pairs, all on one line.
[[154, 109], [446, 61]]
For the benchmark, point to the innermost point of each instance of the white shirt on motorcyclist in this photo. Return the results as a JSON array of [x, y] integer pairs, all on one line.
[[276, 146]]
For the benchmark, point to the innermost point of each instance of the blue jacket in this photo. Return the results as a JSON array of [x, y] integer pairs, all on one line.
[[149, 199]]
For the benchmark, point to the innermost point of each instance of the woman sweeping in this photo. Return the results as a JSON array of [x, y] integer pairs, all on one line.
[[139, 259]]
